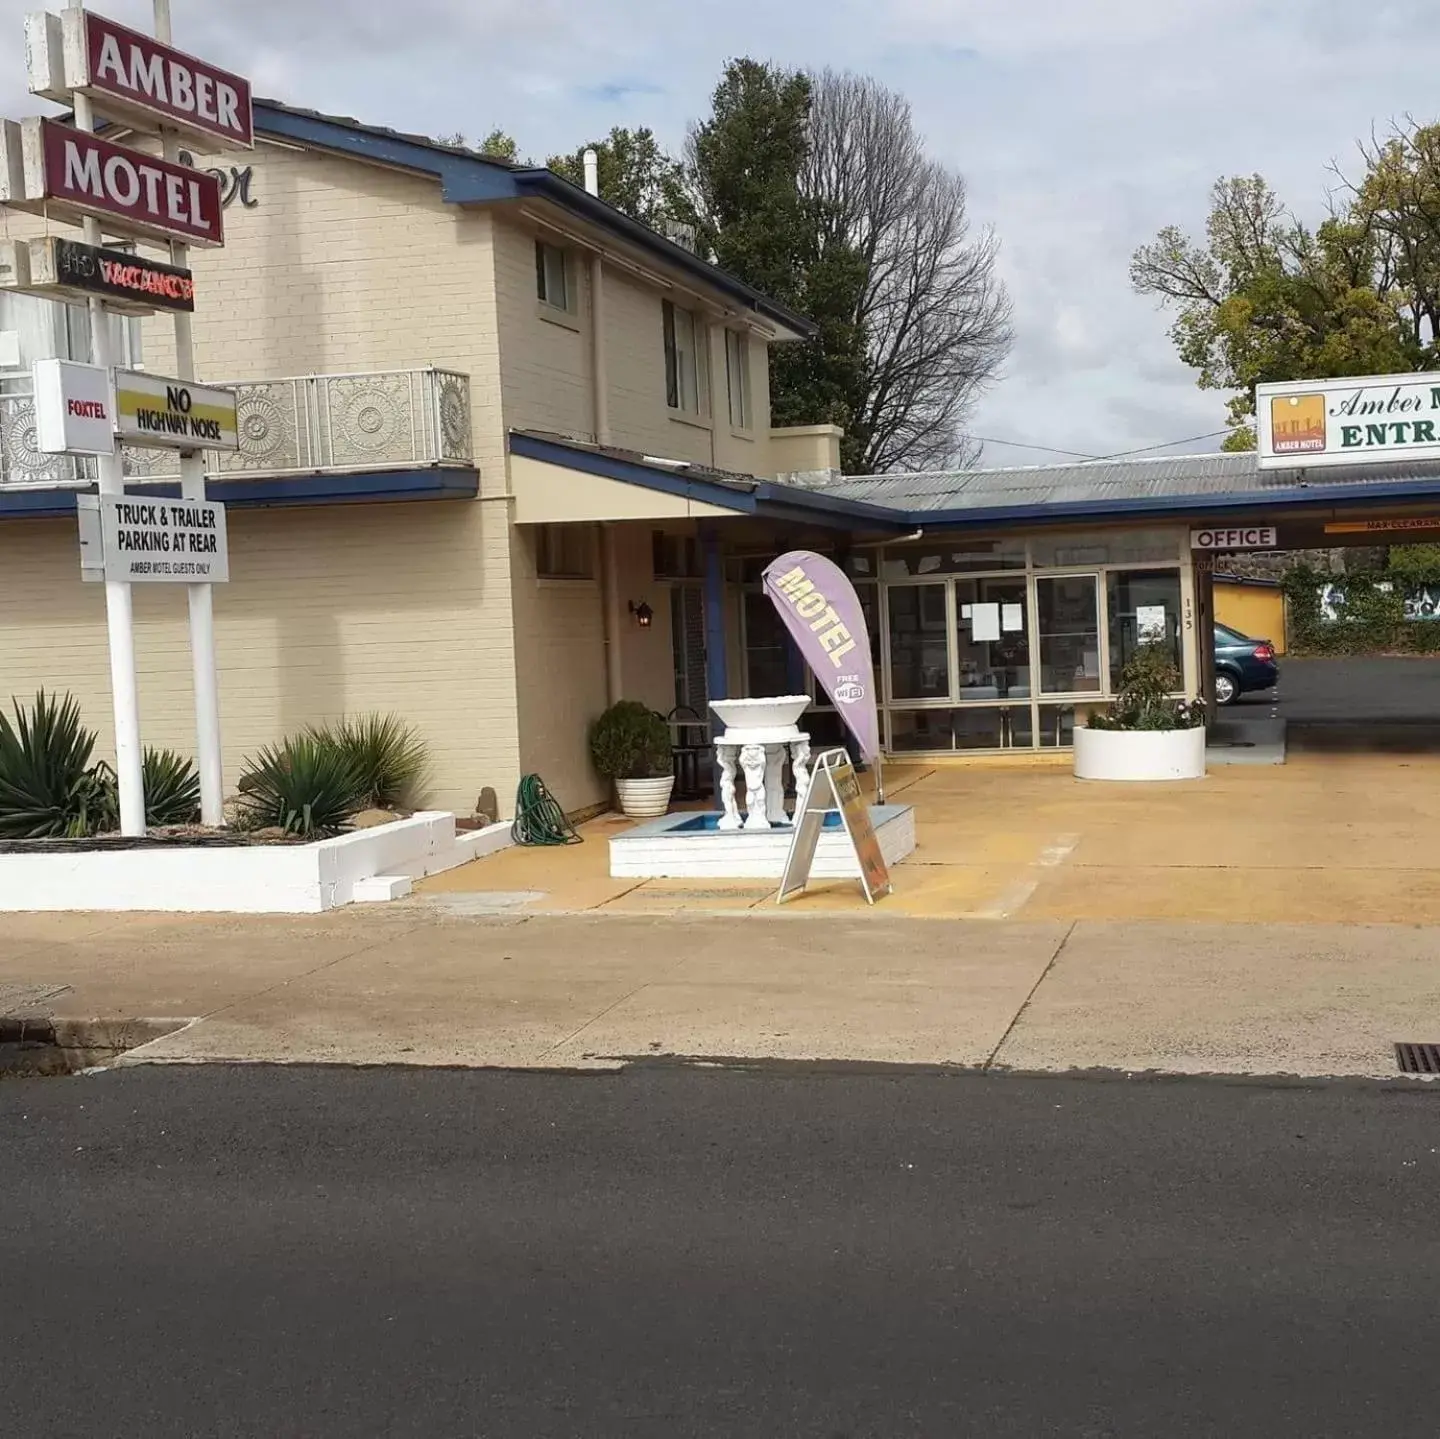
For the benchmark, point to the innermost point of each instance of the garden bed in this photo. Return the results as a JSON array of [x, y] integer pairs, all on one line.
[[236, 873]]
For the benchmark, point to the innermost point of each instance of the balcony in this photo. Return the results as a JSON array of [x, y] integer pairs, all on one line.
[[302, 425]]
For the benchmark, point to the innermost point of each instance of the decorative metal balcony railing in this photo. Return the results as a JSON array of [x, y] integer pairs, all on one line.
[[299, 425]]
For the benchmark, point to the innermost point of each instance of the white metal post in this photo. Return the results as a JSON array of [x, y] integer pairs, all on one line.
[[192, 487], [119, 607]]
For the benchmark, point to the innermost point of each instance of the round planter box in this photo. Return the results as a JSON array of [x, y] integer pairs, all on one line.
[[644, 798], [1140, 754]]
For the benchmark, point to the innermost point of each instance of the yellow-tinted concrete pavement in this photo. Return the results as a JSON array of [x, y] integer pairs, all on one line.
[[1343, 839]]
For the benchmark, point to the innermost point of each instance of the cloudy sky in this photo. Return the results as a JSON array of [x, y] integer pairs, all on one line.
[[1082, 126]]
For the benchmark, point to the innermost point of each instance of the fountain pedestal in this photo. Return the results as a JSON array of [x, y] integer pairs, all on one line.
[[759, 733]]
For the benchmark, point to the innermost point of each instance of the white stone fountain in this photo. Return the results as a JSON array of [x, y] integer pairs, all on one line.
[[759, 733]]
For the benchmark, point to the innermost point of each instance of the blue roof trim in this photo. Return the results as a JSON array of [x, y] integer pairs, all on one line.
[[376, 488], [1307, 496], [791, 497], [612, 467], [469, 178]]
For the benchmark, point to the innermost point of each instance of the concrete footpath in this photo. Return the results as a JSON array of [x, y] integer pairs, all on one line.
[[418, 984]]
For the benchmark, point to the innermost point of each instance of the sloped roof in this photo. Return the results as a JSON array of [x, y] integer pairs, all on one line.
[[468, 176], [1185, 481]]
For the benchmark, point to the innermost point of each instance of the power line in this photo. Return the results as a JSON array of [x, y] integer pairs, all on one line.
[[1084, 455]]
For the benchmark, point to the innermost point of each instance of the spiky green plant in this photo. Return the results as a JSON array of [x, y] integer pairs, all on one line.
[[389, 758], [48, 787], [172, 788], [306, 786]]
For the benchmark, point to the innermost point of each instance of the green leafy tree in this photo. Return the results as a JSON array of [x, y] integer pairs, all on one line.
[[1265, 298], [634, 174], [816, 190], [497, 144]]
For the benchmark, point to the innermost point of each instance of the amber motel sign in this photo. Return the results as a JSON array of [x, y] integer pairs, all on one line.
[[126, 82]]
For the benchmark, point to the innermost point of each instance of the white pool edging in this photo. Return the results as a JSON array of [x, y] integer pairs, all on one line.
[[658, 851], [378, 863]]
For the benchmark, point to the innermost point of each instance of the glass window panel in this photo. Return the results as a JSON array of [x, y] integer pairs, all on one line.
[[919, 643], [973, 728], [948, 557], [1069, 634], [1057, 726], [1130, 594], [1000, 668], [1101, 547], [767, 670]]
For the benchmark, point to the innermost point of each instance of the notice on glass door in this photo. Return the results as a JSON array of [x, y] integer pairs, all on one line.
[[1012, 618], [984, 622], [1150, 622]]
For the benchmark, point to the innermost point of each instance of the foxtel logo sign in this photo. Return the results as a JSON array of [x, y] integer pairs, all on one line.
[[86, 409]]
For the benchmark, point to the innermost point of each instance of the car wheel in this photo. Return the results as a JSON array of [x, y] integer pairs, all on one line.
[[1226, 690]]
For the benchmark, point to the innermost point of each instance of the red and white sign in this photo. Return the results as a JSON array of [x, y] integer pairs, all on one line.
[[65, 173], [133, 77], [1247, 537], [74, 409]]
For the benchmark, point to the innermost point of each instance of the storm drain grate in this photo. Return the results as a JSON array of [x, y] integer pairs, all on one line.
[[1418, 1058]]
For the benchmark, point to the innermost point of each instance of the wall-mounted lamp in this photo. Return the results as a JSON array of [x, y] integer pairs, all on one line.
[[643, 614]]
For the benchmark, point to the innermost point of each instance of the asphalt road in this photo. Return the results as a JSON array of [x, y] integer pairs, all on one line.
[[674, 1253]]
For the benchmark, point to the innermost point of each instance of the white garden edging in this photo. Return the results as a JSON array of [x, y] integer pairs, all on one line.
[[1139, 755], [377, 863]]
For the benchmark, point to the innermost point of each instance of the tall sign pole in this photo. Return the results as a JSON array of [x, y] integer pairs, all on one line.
[[192, 487], [119, 602]]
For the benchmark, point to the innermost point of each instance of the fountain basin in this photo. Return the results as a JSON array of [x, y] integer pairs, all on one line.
[[775, 713]]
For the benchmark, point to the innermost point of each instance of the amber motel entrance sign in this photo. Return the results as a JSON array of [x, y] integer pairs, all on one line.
[[69, 173]]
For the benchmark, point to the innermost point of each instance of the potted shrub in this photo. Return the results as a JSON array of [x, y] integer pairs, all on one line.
[[630, 745], [1148, 734]]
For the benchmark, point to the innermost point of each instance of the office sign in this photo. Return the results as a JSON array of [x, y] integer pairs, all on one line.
[[1368, 420], [834, 787], [59, 269], [153, 541], [74, 409], [133, 77], [169, 414], [1234, 537], [67, 174]]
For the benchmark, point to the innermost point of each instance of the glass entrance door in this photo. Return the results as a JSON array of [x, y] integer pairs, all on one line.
[[1067, 612]]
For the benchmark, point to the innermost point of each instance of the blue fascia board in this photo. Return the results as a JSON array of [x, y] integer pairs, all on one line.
[[372, 488], [468, 179], [613, 467], [855, 514], [1308, 497], [462, 177]]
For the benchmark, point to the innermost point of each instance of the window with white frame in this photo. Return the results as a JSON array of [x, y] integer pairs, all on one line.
[[565, 552], [737, 377], [552, 276], [685, 373]]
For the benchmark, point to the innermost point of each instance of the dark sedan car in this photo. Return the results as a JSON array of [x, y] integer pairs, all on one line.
[[1242, 665]]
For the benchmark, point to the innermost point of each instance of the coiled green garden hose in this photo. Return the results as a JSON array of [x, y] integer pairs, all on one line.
[[538, 819]]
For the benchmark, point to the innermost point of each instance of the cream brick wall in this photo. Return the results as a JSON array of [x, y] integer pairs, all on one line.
[[334, 611]]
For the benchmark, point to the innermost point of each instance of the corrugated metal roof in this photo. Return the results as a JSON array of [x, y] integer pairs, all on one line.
[[1112, 481]]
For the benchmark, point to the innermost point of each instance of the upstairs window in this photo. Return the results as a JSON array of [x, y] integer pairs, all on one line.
[[737, 377], [685, 377], [565, 552], [552, 276]]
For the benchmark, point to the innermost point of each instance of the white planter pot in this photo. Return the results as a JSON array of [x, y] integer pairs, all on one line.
[[644, 798], [1140, 754]]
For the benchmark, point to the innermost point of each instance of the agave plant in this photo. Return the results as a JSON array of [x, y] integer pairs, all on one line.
[[172, 788], [48, 787], [306, 786], [390, 760]]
